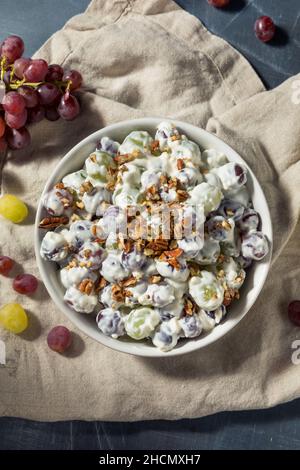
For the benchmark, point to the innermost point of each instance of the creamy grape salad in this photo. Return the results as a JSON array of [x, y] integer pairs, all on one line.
[[153, 236]]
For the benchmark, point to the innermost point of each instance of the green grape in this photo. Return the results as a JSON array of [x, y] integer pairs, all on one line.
[[13, 318], [141, 322], [12, 208]]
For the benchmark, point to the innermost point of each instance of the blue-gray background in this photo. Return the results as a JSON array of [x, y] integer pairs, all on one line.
[[279, 428]]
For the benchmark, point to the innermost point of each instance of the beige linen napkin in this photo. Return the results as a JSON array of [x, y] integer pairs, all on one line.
[[148, 58]]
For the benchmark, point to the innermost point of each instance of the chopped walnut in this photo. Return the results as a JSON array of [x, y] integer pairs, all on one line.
[[74, 218], [100, 284], [182, 195], [53, 222], [87, 253], [155, 279], [80, 204], [86, 286], [180, 164], [72, 264], [125, 158], [229, 296], [189, 307], [130, 281], [117, 293], [226, 225], [86, 187], [154, 147], [194, 268]]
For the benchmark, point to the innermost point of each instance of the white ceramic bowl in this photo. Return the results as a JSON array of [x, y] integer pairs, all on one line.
[[256, 275]]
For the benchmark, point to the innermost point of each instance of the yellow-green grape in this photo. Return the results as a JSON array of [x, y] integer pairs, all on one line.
[[141, 322], [13, 318], [12, 208]]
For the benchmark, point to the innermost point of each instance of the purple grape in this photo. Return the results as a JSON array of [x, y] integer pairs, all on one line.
[[7, 77], [25, 284], [81, 232], [108, 145], [13, 102], [55, 73], [20, 65], [244, 263], [68, 107], [36, 114], [249, 222], [110, 322], [255, 246], [36, 71], [232, 209], [219, 228], [18, 138], [30, 96], [52, 114], [191, 326], [133, 260], [59, 339], [12, 48], [164, 316], [241, 174], [264, 28], [217, 315], [74, 77], [16, 121], [48, 93]]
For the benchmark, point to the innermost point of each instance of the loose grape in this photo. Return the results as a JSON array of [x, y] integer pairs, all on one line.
[[25, 284], [219, 3], [13, 102], [59, 339], [18, 138], [52, 113], [294, 312], [68, 108], [55, 72], [2, 126], [74, 77], [16, 121], [6, 264], [20, 65], [36, 114], [12, 48], [13, 318], [12, 208], [36, 70], [264, 28], [30, 96]]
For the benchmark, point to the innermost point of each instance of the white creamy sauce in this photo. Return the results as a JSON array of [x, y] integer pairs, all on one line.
[[145, 296]]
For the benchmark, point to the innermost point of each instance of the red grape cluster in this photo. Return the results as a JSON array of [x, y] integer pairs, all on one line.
[[31, 90]]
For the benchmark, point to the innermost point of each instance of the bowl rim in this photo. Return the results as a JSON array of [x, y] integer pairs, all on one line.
[[130, 346]]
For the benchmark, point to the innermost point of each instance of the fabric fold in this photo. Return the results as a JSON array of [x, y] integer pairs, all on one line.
[[150, 58]]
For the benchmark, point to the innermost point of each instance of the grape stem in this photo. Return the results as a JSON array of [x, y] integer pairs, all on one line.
[[15, 84], [3, 69]]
